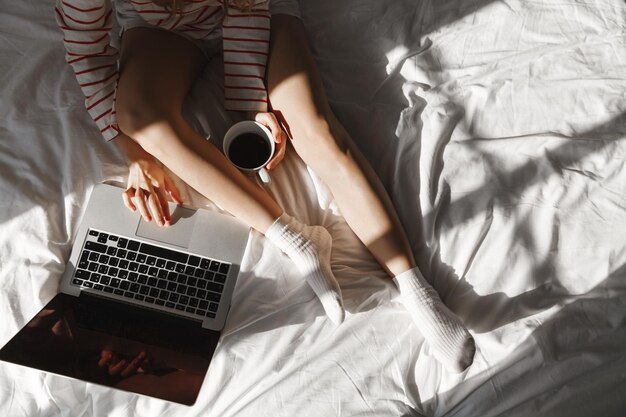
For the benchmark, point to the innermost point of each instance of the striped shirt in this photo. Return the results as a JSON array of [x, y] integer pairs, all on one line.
[[86, 26]]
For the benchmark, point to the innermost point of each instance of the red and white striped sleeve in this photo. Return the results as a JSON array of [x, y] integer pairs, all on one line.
[[86, 25], [246, 43]]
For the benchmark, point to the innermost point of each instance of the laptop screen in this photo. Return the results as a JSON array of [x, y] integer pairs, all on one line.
[[116, 345]]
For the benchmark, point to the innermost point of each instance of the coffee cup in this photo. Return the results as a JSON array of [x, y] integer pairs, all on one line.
[[250, 146]]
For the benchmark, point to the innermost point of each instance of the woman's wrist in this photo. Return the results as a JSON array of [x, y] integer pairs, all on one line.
[[131, 150]]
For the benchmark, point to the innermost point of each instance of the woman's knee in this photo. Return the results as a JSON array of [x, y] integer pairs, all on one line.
[[143, 120], [321, 146]]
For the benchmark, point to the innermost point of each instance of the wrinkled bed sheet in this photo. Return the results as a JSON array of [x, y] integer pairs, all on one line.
[[498, 128]]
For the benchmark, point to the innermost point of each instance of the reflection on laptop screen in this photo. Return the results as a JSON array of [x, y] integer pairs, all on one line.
[[118, 346]]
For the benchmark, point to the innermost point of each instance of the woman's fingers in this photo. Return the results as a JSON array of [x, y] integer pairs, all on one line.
[[140, 201], [127, 196], [281, 147], [155, 208], [165, 208], [172, 190], [270, 121]]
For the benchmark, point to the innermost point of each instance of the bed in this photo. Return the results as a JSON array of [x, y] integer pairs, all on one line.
[[499, 130]]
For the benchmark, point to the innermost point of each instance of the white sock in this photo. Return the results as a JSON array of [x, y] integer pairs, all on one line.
[[309, 247], [452, 344]]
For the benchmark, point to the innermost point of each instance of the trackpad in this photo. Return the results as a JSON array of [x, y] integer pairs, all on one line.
[[179, 233]]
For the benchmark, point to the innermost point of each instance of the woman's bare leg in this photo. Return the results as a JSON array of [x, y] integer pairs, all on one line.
[[297, 92], [157, 68]]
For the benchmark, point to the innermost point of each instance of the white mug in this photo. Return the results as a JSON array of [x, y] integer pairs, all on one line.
[[250, 146]]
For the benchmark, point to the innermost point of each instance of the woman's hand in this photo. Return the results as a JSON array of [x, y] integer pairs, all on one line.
[[148, 184], [280, 137]]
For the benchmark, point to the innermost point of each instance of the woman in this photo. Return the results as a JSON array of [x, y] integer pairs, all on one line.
[[164, 46]]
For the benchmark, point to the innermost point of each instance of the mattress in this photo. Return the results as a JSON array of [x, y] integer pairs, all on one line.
[[497, 127]]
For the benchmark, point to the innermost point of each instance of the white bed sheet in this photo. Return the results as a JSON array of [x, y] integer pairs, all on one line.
[[503, 148]]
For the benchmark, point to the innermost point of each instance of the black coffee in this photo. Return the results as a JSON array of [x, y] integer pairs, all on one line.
[[249, 150]]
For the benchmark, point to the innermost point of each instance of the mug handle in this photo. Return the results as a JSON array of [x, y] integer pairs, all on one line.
[[265, 176]]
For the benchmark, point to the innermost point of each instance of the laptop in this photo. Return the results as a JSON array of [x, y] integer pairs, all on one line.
[[140, 307]]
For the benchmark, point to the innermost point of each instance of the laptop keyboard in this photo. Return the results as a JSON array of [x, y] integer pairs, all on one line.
[[170, 279]]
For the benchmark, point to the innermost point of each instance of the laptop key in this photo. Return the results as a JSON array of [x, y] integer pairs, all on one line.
[[125, 285], [98, 287], [203, 304], [224, 268], [82, 274], [190, 310], [129, 294], [97, 247], [133, 245], [220, 278], [122, 242], [139, 297], [108, 289], [159, 302], [194, 260], [201, 312], [205, 263], [134, 287], [77, 281], [118, 292], [210, 315], [144, 290], [93, 232], [95, 277], [183, 299], [194, 302], [111, 251], [154, 292], [213, 307], [170, 304], [103, 238], [92, 266], [93, 256], [160, 263], [105, 280], [150, 300], [212, 286], [211, 296]]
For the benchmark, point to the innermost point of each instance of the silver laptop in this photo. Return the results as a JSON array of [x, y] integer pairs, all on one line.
[[140, 307]]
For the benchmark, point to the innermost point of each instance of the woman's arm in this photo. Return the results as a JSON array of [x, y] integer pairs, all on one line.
[[86, 26]]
